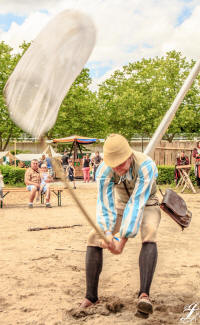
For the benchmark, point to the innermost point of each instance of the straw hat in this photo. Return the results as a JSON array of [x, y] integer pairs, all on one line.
[[116, 150]]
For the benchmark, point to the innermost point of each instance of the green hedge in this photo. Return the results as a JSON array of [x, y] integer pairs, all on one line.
[[13, 176], [166, 175]]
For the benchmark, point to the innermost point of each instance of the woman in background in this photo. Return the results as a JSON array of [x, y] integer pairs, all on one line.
[[196, 155], [86, 168]]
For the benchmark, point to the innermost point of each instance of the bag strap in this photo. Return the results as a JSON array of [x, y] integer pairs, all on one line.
[[126, 188], [127, 191], [161, 191]]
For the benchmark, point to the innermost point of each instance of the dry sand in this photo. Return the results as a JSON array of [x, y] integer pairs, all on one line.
[[42, 273]]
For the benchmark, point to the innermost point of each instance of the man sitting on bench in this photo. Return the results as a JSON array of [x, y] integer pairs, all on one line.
[[33, 182]]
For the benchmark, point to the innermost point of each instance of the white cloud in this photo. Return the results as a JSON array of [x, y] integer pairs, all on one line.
[[25, 7], [186, 36], [25, 32], [127, 29]]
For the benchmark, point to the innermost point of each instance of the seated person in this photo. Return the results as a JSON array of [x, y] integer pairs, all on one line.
[[42, 160], [46, 179], [49, 165], [71, 172], [181, 160], [32, 181]]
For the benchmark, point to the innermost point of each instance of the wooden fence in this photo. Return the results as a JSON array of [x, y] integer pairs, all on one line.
[[166, 153]]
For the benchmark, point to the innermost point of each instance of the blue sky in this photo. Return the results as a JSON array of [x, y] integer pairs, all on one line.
[[126, 30], [185, 14], [7, 19]]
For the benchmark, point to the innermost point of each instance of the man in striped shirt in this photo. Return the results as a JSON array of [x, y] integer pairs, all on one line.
[[127, 202]]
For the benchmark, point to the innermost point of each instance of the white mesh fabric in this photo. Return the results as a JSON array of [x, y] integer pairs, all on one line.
[[41, 79]]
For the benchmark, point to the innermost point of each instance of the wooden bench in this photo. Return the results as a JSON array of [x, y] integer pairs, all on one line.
[[57, 190]]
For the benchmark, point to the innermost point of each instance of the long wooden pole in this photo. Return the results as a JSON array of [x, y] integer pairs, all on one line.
[[86, 215], [56, 165], [15, 150]]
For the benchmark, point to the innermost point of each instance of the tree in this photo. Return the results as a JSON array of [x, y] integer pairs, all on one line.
[[79, 112], [8, 62], [136, 98]]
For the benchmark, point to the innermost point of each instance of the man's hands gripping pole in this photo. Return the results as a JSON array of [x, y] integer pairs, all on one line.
[[113, 244]]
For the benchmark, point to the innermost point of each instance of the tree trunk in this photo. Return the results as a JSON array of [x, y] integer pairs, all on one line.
[[1, 143], [170, 137], [7, 142]]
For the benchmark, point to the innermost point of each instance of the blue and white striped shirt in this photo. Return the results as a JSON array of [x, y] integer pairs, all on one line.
[[133, 212]]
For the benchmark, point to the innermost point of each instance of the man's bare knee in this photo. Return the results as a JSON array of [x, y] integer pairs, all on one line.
[[93, 239], [34, 190], [148, 233]]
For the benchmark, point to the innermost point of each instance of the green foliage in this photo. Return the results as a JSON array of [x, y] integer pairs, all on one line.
[[12, 176], [135, 99], [132, 101], [18, 151], [8, 62], [79, 113], [166, 175], [192, 176]]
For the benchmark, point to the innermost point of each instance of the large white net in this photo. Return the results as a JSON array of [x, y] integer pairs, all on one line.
[[41, 79]]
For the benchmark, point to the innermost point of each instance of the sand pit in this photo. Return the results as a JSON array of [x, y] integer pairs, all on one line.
[[43, 272]]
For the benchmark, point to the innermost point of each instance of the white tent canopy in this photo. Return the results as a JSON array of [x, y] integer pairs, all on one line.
[[3, 154], [7, 155], [49, 151], [28, 156]]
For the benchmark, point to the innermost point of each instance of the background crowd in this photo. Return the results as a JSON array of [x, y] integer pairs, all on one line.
[[40, 174]]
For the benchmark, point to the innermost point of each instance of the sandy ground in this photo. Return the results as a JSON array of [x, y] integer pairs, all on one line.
[[43, 272]]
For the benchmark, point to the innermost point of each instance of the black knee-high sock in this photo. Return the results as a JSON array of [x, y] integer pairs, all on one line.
[[94, 262], [147, 263]]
